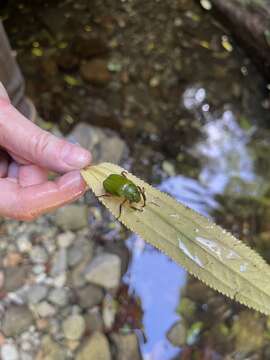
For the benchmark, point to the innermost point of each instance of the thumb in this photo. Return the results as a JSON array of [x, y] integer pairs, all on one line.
[[21, 137]]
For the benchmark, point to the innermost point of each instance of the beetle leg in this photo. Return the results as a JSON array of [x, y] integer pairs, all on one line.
[[124, 173], [134, 207], [120, 208], [104, 195], [142, 191]]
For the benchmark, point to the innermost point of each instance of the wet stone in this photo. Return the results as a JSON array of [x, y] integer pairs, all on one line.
[[95, 72], [127, 347], [93, 321], [72, 217], [74, 327], [89, 296], [45, 309], [95, 347], [59, 262], [74, 255], [16, 320], [104, 270], [177, 334], [65, 239]]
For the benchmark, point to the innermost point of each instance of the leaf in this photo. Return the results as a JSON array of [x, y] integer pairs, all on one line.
[[206, 250]]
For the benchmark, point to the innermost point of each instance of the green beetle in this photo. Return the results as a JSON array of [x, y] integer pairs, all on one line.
[[121, 186]]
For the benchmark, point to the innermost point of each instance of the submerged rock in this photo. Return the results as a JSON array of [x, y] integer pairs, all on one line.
[[89, 296], [104, 144], [96, 72], [127, 347], [51, 350], [74, 327]]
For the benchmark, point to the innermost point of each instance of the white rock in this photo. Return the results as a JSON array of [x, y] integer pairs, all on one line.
[[65, 239], [9, 352], [44, 309]]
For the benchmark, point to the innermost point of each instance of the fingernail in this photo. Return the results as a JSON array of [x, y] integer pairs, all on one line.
[[3, 92], [75, 156]]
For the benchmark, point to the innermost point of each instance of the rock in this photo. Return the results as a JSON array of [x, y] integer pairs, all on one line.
[[177, 334], [247, 341], [2, 279], [44, 309], [104, 144], [96, 72], [38, 255], [59, 262], [74, 255], [87, 45], [109, 310], [51, 350], [96, 347], [74, 327], [36, 293], [65, 239], [59, 296], [9, 352], [127, 347], [93, 321], [72, 217], [16, 320], [23, 243], [15, 277], [89, 296], [104, 270]]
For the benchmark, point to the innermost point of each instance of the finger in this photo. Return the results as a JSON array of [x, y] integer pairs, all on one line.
[[25, 139], [3, 164], [27, 203], [31, 175], [13, 170]]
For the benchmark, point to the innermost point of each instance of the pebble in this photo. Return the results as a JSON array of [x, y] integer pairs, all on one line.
[[44, 309], [65, 239], [109, 309], [36, 293], [72, 217], [95, 347], [15, 277], [96, 72], [59, 262], [74, 327], [104, 270], [38, 255], [177, 334], [89, 296], [16, 320], [127, 346], [23, 243], [9, 352], [59, 296], [74, 255], [51, 350], [2, 279]]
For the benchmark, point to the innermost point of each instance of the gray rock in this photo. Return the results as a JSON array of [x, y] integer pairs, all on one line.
[[9, 352], [74, 255], [72, 217], [127, 347], [104, 144], [59, 296], [38, 255], [16, 320], [105, 271], [50, 350], [95, 347], [74, 327], [59, 262], [15, 277], [36, 293], [177, 334], [89, 296]]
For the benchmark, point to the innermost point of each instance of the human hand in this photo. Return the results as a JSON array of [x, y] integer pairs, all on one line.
[[26, 154]]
